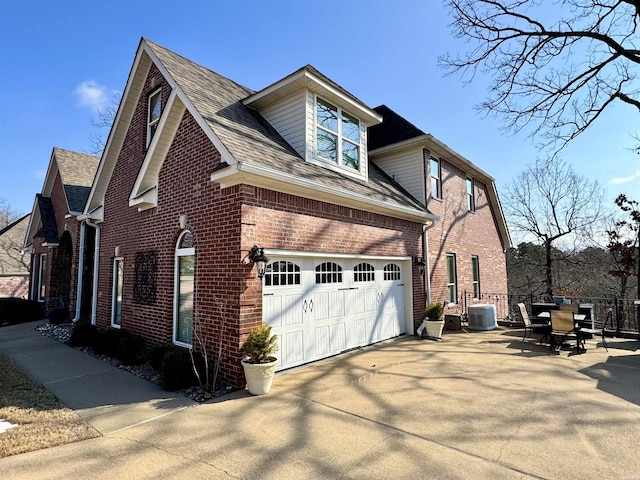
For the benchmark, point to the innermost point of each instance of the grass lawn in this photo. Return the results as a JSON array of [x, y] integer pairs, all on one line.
[[42, 420]]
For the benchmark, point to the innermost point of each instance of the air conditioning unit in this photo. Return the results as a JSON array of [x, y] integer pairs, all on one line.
[[482, 317]]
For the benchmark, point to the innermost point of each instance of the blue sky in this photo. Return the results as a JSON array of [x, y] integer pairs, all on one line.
[[61, 60]]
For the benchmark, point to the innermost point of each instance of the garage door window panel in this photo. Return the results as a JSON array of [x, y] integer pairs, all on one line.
[[282, 273], [328, 272], [364, 272], [392, 272]]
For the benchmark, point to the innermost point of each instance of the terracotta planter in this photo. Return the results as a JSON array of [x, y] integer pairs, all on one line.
[[259, 376]]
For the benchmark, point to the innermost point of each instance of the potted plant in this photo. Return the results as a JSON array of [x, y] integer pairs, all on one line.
[[258, 363], [434, 321]]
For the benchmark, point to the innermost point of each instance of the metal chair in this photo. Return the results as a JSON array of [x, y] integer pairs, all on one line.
[[597, 329], [563, 327], [529, 326]]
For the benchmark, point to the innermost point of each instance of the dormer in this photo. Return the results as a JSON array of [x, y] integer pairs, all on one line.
[[324, 123]]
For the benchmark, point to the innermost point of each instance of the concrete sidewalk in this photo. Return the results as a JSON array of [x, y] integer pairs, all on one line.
[[477, 405]]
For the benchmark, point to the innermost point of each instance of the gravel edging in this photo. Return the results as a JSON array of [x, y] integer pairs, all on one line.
[[62, 333]]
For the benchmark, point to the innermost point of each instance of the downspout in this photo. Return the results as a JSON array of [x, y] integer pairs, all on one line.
[[80, 273], [96, 264], [427, 279], [425, 252]]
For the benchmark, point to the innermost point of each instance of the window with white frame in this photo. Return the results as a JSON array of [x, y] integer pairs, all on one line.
[[436, 184], [184, 290], [337, 135], [475, 266], [452, 278], [153, 116], [471, 201], [42, 271], [118, 279]]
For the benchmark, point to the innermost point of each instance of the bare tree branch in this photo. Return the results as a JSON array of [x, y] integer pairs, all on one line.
[[554, 70]]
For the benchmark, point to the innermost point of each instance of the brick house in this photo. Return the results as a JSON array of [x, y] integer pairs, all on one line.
[[199, 170], [53, 234], [467, 245], [14, 263]]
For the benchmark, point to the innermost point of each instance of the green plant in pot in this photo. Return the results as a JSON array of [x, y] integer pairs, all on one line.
[[433, 319], [258, 363]]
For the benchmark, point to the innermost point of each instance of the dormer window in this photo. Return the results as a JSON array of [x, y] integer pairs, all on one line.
[[153, 117], [337, 135]]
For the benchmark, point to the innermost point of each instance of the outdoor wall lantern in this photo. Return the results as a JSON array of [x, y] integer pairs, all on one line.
[[257, 256], [419, 262]]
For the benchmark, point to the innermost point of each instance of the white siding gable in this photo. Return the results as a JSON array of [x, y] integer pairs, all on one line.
[[407, 169], [288, 118]]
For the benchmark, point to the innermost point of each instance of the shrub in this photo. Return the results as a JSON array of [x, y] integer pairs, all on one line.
[[84, 335], [130, 350], [17, 310], [260, 345], [434, 311], [157, 353], [176, 371], [108, 340]]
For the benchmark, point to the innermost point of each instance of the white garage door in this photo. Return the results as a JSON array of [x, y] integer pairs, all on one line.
[[319, 307]]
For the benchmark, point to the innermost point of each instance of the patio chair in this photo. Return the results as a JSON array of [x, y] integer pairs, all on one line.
[[597, 329], [563, 328], [569, 307], [530, 326]]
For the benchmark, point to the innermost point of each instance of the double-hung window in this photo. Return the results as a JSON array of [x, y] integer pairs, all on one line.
[[337, 135], [436, 184], [452, 278], [471, 201], [475, 266], [153, 116]]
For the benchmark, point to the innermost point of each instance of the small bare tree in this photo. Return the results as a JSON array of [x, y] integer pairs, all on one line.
[[208, 376], [550, 202], [555, 66], [103, 121]]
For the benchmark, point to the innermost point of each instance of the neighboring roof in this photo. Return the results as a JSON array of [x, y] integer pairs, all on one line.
[[246, 141], [12, 258], [77, 171], [47, 229]]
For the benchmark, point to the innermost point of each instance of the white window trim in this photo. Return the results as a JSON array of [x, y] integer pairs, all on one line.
[[473, 280], [338, 163], [179, 252], [438, 194], [115, 281], [155, 122], [41, 273], [455, 278], [471, 197]]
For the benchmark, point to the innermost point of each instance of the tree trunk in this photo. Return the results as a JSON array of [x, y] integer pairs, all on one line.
[[548, 271]]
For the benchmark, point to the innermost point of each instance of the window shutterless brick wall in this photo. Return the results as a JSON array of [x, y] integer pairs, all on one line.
[[465, 234]]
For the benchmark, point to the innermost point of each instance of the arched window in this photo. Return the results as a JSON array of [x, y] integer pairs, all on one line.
[[281, 273], [364, 272], [184, 290], [392, 271], [328, 272]]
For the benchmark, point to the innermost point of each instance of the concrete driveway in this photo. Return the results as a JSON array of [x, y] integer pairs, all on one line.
[[477, 405]]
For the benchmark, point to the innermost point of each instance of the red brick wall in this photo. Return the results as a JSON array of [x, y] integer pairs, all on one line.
[[465, 234], [225, 224]]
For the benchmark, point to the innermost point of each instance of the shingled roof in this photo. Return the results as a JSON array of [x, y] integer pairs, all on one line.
[[250, 138], [77, 171], [393, 129], [48, 228]]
